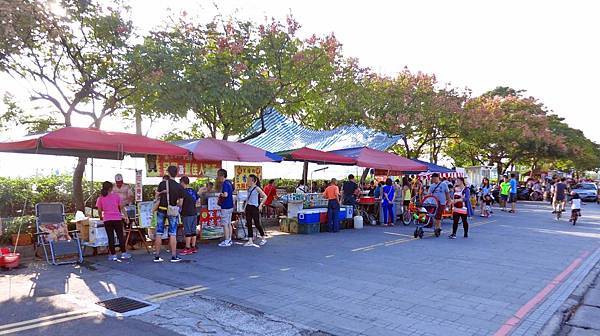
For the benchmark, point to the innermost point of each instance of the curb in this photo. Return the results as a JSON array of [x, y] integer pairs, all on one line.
[[566, 310]]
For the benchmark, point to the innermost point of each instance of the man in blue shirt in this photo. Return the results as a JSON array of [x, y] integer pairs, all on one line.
[[512, 199], [226, 203]]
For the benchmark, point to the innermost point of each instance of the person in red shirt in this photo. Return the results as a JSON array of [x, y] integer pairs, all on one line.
[[271, 192]]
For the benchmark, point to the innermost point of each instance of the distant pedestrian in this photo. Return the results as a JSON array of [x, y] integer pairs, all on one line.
[[504, 192], [189, 216], [332, 194], [170, 201], [459, 210], [484, 190], [271, 192], [112, 213], [560, 192], [377, 191], [350, 190], [300, 188], [226, 204], [439, 189], [388, 195], [254, 206], [512, 198]]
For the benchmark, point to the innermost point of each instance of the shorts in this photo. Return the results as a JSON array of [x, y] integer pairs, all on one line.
[[406, 203], [512, 198], [440, 212], [161, 217], [189, 225], [226, 216], [504, 197], [575, 212]]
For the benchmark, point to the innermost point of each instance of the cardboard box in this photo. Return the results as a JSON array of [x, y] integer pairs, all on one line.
[[83, 226]]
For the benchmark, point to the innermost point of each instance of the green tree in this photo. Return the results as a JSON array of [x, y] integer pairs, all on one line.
[[411, 104], [76, 62]]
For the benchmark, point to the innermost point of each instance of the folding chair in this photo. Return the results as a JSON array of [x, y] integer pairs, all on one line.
[[134, 228], [60, 245]]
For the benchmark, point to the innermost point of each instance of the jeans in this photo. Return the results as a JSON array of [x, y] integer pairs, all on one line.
[[189, 225], [161, 217], [112, 227], [388, 213], [333, 216], [253, 216]]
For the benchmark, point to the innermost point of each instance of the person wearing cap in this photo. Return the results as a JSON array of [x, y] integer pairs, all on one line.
[[123, 190]]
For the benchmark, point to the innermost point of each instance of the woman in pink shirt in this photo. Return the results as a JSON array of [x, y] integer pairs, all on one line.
[[111, 212]]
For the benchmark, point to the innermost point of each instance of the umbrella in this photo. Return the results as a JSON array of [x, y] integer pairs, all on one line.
[[372, 158], [316, 156], [210, 149], [91, 142]]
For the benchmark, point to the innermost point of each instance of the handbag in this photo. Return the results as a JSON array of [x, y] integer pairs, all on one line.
[[172, 210]]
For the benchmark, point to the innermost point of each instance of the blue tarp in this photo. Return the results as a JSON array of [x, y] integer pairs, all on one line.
[[284, 134]]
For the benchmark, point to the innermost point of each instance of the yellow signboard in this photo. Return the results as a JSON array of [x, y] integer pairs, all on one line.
[[242, 173]]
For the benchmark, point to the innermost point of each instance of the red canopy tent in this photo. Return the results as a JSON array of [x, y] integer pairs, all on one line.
[[372, 158], [210, 149], [90, 142], [316, 156]]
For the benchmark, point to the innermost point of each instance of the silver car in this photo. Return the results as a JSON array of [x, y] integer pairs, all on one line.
[[588, 192]]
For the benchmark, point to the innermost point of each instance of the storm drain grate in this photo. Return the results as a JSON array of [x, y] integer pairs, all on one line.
[[122, 305]]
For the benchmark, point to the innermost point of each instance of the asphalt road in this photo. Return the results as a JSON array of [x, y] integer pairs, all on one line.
[[508, 277]]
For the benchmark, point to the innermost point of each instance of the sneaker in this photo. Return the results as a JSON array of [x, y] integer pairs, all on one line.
[[262, 242], [158, 259], [125, 255], [223, 243], [175, 259], [452, 236], [250, 244], [229, 243], [112, 257], [194, 250], [466, 236], [185, 251]]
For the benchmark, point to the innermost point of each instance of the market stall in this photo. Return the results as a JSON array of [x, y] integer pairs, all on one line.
[[95, 143], [211, 150], [387, 163]]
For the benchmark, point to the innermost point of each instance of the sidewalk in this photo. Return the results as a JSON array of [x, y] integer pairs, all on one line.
[[585, 320]]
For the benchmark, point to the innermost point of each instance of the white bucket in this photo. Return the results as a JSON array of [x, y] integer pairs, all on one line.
[[358, 222]]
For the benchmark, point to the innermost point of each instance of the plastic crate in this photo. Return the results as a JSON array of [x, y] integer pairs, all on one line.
[[308, 228]]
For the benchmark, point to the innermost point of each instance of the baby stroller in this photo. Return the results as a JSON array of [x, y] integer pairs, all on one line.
[[425, 216]]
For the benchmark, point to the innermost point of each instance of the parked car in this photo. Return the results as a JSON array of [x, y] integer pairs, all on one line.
[[588, 192]]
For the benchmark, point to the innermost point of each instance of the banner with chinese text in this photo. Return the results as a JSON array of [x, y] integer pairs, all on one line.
[[156, 166], [242, 173]]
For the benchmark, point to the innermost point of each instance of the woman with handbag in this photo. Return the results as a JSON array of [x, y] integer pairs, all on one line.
[[460, 211], [253, 208]]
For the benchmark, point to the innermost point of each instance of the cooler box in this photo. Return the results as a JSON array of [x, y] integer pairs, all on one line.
[[342, 214], [309, 216], [323, 217], [349, 211]]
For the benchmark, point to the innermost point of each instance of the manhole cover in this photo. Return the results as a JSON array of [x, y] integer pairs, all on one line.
[[122, 305]]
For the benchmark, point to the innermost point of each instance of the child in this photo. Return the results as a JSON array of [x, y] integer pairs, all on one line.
[[575, 207], [487, 206]]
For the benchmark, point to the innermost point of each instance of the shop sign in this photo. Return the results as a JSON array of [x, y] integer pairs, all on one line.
[[156, 166], [138, 185], [242, 173]]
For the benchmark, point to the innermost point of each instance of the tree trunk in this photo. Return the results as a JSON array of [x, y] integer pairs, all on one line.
[[500, 171], [138, 122], [78, 199], [365, 173], [305, 173], [406, 147]]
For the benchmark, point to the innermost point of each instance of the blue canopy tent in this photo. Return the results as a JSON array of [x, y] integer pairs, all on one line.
[[431, 168]]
